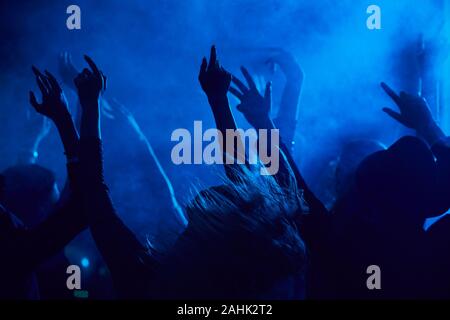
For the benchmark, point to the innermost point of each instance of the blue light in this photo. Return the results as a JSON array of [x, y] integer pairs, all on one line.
[[85, 262]]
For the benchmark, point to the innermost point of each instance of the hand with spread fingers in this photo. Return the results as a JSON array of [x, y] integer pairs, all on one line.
[[414, 114], [54, 102], [254, 106], [287, 63], [67, 69], [54, 106]]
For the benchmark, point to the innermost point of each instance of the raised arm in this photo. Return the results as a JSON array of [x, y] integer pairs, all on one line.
[[68, 72], [215, 81], [31, 247], [119, 110], [54, 107], [286, 119], [256, 109], [415, 114], [126, 258]]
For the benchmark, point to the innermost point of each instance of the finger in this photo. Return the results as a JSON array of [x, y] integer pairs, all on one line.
[[239, 84], [107, 105], [249, 79], [42, 86], [69, 59], [36, 71], [41, 80], [53, 82], [391, 93], [395, 115], [212, 57], [64, 59], [62, 62], [107, 112], [46, 82], [124, 110], [119, 107], [104, 81], [41, 76], [113, 103], [268, 92], [235, 92], [93, 66], [33, 101], [203, 67]]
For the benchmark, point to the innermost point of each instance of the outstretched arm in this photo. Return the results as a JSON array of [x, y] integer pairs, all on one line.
[[121, 111], [54, 107], [68, 72], [286, 119], [31, 247], [126, 258], [415, 114], [256, 109], [215, 81]]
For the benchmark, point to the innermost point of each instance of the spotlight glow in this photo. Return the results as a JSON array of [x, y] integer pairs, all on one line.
[[85, 262]]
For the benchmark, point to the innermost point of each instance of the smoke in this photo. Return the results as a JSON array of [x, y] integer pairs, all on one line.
[[151, 52]]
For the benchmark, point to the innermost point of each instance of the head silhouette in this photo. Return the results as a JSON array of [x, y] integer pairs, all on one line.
[[400, 182], [352, 154], [30, 192], [241, 242]]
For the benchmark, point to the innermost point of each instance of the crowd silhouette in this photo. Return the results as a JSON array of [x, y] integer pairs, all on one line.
[[252, 236]]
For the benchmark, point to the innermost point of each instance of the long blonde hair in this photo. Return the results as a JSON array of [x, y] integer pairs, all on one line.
[[241, 239]]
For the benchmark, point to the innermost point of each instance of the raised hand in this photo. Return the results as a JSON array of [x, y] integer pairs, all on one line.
[[414, 114], [54, 102], [287, 63], [90, 84], [54, 106], [67, 70], [119, 111], [414, 111], [214, 79], [215, 82], [254, 106]]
